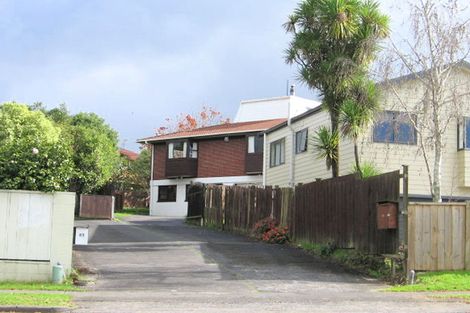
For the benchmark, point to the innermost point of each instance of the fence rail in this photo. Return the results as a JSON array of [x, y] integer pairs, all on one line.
[[439, 236], [340, 210]]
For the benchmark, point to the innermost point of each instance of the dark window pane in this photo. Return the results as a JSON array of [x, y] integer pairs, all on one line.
[[259, 141], [301, 141], [405, 133], [383, 131], [167, 193], [394, 127], [178, 150]]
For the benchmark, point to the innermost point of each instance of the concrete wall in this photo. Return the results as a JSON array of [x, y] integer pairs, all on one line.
[[36, 231]]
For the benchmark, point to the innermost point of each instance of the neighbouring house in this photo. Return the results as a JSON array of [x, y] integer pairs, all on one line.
[[392, 141], [272, 108], [128, 154], [229, 154]]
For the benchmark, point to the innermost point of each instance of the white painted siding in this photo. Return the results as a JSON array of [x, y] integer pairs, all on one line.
[[307, 166], [179, 208], [271, 108], [386, 157]]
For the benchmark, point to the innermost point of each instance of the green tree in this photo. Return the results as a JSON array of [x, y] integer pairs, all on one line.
[[356, 114], [32, 156], [325, 142], [95, 152], [333, 43]]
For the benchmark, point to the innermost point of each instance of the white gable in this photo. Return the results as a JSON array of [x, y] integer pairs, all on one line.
[[271, 108]]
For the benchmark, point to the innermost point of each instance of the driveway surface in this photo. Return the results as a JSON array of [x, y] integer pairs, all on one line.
[[151, 264]]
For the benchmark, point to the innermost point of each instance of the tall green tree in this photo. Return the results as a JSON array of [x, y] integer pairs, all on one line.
[[32, 154], [333, 43], [95, 152], [357, 113], [325, 142]]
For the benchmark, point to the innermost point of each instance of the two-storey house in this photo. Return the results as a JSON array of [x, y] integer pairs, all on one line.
[[229, 154], [392, 141]]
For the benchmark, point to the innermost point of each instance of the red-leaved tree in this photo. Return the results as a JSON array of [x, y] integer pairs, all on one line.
[[208, 116]]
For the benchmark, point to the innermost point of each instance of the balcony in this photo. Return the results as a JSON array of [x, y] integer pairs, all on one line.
[[254, 163], [184, 167]]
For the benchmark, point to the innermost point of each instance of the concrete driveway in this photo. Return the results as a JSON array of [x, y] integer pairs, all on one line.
[[162, 265]]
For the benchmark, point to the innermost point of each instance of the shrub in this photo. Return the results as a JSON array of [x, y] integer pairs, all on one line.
[[268, 230], [263, 226], [276, 235]]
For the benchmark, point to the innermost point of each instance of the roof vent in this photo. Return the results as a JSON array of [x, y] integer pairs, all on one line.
[[292, 90]]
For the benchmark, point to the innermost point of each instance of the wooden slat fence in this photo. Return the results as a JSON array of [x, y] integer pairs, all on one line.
[[439, 236], [96, 206], [340, 210]]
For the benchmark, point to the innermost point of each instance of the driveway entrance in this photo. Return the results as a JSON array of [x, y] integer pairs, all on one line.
[[150, 264]]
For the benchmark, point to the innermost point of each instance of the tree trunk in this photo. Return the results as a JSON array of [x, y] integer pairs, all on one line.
[[356, 157], [334, 128], [436, 183]]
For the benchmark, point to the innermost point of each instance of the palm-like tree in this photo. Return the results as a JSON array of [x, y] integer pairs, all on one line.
[[325, 141], [333, 42], [356, 114]]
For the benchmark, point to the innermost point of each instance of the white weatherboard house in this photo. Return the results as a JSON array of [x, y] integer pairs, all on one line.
[[226, 154], [390, 143]]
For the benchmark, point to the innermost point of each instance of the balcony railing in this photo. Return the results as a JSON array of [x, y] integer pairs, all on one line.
[[186, 167]]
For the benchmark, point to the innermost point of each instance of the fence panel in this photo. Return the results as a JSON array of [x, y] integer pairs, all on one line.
[[339, 210], [196, 199], [438, 236], [96, 206]]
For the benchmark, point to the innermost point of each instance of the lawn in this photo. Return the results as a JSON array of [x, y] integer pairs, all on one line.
[[131, 211], [68, 286], [438, 281], [35, 299]]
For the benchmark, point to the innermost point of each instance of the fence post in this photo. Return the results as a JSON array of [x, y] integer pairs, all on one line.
[[404, 213], [467, 235], [223, 207]]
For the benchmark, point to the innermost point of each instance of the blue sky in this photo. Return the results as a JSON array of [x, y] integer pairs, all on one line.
[[137, 62]]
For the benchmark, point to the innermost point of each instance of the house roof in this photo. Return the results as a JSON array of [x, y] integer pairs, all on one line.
[[462, 64], [218, 130], [295, 119], [131, 155]]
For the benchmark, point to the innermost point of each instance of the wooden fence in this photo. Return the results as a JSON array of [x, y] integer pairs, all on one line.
[[340, 210], [439, 236], [96, 206]]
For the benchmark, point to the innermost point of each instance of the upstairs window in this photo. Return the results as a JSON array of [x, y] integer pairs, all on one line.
[[301, 141], [177, 150], [255, 144], [277, 153], [395, 127], [193, 150], [463, 133]]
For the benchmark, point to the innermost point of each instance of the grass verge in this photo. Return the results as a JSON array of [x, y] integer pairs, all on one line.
[[67, 286], [35, 299], [438, 281], [129, 212], [370, 265]]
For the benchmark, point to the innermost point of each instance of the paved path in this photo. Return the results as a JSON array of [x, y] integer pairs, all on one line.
[[156, 265]]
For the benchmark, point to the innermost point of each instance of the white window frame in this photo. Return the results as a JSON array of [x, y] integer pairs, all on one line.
[[277, 152]]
